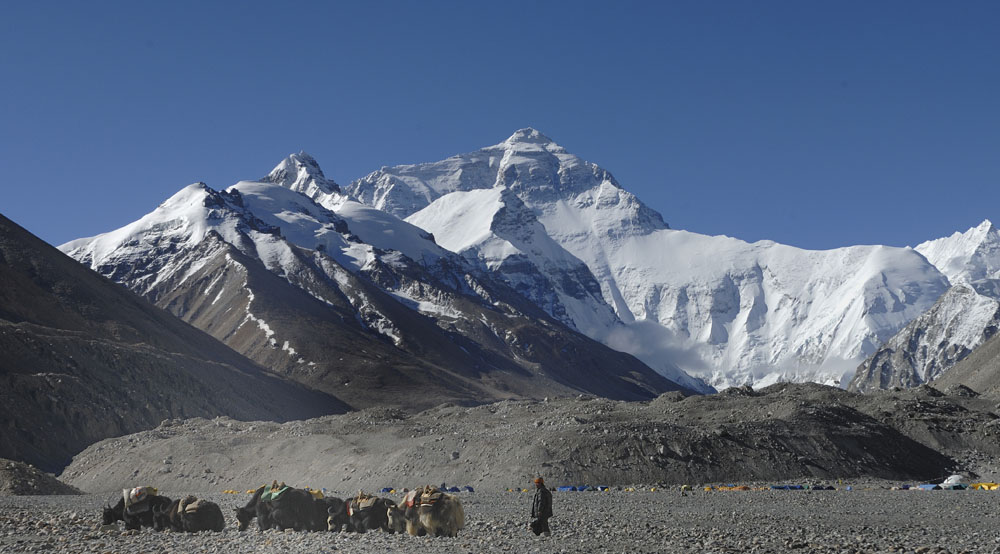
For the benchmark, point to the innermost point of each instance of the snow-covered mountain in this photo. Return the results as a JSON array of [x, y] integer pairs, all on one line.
[[933, 343], [349, 299], [471, 261], [972, 256], [724, 310], [962, 319]]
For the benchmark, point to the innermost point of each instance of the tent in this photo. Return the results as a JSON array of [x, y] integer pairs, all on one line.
[[929, 487], [952, 480], [985, 486]]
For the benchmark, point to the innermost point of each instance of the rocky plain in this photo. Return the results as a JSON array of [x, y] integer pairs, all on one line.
[[644, 452], [862, 520]]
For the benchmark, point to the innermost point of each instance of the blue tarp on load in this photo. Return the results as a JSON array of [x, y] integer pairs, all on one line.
[[454, 489], [386, 489]]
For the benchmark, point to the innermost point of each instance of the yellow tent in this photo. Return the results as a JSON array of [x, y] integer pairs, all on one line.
[[985, 486]]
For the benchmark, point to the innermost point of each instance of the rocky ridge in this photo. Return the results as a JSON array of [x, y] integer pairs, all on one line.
[[778, 433], [963, 318], [933, 343], [19, 478]]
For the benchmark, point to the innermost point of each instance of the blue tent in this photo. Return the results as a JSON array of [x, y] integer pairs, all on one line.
[[565, 488], [454, 489], [467, 488], [386, 489], [929, 487]]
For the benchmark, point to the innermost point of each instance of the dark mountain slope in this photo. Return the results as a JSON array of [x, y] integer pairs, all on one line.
[[980, 370], [82, 359]]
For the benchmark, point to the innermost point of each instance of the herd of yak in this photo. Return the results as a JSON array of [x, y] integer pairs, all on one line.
[[423, 511]]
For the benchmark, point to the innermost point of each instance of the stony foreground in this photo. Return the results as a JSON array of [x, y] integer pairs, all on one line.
[[616, 521]]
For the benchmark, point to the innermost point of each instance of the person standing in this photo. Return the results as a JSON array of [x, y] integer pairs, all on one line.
[[541, 509]]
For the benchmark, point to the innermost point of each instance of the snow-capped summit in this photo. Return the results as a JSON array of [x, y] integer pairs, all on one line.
[[529, 135], [301, 173], [722, 309], [494, 227], [966, 257], [331, 292]]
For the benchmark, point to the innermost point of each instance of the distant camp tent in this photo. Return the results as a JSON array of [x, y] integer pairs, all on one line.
[[467, 488], [929, 487], [952, 480], [985, 486], [566, 488]]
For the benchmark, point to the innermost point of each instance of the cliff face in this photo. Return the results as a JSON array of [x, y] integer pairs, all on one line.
[[85, 359], [959, 322]]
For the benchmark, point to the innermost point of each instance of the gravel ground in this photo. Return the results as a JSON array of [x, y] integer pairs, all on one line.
[[617, 521]]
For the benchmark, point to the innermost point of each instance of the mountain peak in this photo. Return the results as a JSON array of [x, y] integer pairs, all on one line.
[[529, 135], [301, 173], [984, 233]]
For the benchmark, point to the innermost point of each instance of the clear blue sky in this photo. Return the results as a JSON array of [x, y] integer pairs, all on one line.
[[817, 124]]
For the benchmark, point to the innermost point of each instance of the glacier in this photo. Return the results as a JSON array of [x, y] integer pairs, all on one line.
[[724, 310]]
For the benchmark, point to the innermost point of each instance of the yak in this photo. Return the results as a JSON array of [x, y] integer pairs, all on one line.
[[137, 515], [337, 518], [290, 508], [368, 513], [190, 514], [441, 514], [405, 516]]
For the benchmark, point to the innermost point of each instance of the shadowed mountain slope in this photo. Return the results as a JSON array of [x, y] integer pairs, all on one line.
[[84, 359]]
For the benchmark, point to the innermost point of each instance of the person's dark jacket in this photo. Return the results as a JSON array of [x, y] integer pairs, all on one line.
[[541, 507]]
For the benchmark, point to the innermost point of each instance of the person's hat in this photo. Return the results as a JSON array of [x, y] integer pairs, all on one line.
[[539, 481]]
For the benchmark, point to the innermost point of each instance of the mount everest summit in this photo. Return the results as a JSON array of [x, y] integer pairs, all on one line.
[[480, 276], [726, 311], [350, 300]]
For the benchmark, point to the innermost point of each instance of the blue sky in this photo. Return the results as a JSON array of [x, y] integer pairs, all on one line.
[[814, 124]]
